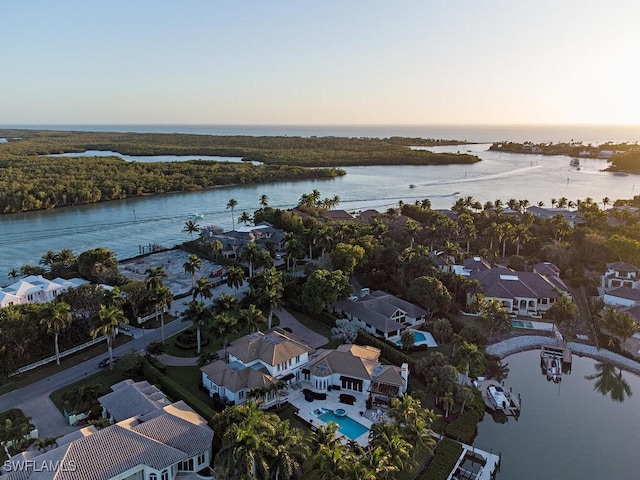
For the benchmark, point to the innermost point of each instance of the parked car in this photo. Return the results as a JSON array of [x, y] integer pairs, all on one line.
[[105, 362]]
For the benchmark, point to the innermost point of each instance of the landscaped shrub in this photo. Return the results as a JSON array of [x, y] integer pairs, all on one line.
[[188, 340], [464, 427], [387, 350], [446, 456], [157, 364]]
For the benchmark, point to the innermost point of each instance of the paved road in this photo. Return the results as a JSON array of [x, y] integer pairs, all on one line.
[[34, 399]]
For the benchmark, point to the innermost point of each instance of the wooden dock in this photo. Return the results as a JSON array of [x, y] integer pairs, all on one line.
[[555, 361], [513, 409]]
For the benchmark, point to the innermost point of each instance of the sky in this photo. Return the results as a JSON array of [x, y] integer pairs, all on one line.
[[327, 62]]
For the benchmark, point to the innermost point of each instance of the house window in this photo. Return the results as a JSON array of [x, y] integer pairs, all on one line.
[[298, 359], [153, 476], [201, 459], [279, 367], [165, 475], [241, 394], [289, 362], [186, 465]]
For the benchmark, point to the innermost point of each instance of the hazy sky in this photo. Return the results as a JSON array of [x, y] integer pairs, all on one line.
[[320, 62]]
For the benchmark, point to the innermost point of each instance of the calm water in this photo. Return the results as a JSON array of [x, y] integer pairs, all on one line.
[[149, 158], [471, 133], [568, 430], [124, 225]]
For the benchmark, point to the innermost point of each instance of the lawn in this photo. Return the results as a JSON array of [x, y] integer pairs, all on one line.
[[105, 378], [189, 378], [46, 371]]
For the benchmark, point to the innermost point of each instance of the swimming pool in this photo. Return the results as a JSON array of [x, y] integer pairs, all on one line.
[[346, 425], [421, 338], [521, 324]]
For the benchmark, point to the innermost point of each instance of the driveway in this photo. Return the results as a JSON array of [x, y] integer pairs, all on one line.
[[288, 321]]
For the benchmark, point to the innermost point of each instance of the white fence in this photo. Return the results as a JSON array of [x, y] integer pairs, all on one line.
[[52, 358]]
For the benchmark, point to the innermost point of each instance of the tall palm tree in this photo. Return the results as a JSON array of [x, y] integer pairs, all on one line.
[[246, 452], [404, 409], [268, 289], [48, 258], [447, 402], [191, 227], [225, 302], [264, 200], [56, 317], [387, 436], [291, 452], [252, 318], [235, 277], [203, 288], [154, 277], [192, 265], [198, 314], [106, 324], [224, 325], [216, 247], [162, 297], [250, 253], [326, 436], [231, 204]]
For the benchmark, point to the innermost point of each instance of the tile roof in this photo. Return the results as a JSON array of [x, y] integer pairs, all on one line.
[[625, 292], [502, 282], [546, 268], [236, 379], [132, 399], [271, 347], [622, 267]]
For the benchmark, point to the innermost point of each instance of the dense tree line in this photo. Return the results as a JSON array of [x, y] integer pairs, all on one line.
[[573, 149]]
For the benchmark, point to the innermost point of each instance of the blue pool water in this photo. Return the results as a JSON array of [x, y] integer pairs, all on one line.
[[421, 338], [346, 425], [521, 324]]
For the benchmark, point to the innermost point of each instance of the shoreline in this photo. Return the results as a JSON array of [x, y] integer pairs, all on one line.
[[525, 343]]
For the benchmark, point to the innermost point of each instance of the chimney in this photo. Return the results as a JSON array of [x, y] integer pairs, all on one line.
[[404, 373]]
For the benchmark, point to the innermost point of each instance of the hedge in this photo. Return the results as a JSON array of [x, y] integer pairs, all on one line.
[[177, 391], [388, 351], [446, 456], [464, 427], [157, 364]]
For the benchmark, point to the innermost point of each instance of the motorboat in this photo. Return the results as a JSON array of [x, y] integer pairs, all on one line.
[[498, 397], [412, 186], [196, 216]]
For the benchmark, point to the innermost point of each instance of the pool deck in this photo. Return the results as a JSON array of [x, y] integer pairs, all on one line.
[[332, 402], [428, 339]]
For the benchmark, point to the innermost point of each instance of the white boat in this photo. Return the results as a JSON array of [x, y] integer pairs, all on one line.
[[498, 397], [196, 216]]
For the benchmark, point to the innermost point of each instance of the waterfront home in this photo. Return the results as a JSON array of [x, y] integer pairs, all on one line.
[[381, 313], [573, 218], [169, 443], [257, 360], [36, 289], [620, 274], [521, 293], [131, 399], [356, 368], [622, 296]]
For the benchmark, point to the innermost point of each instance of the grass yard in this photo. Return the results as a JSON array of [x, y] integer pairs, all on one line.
[[189, 378]]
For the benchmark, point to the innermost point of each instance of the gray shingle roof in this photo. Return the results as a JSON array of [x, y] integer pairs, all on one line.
[[177, 433], [132, 399], [504, 282], [622, 267], [625, 292]]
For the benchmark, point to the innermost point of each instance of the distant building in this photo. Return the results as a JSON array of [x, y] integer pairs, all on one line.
[[36, 289], [574, 218]]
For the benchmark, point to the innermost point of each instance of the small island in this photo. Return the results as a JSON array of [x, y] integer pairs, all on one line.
[[35, 182]]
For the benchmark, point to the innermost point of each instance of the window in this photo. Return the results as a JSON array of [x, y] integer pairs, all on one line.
[[241, 394], [153, 476], [279, 368], [298, 359], [165, 475], [289, 362], [201, 459]]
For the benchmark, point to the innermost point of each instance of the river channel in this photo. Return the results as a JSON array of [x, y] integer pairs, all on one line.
[[572, 430], [125, 224]]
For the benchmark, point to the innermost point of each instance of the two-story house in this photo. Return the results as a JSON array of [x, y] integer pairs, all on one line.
[[620, 274], [257, 360]]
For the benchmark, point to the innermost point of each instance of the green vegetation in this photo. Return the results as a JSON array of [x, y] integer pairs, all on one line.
[[573, 149], [447, 454], [31, 182]]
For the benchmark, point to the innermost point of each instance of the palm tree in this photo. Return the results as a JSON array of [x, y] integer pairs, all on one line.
[[264, 201], [162, 299], [245, 451], [250, 253], [198, 314], [154, 277], [404, 409], [606, 201], [326, 436], [224, 325], [268, 289], [203, 288], [56, 317], [235, 277], [245, 218], [291, 452], [216, 247], [107, 322], [502, 232], [231, 204], [519, 234], [225, 302], [295, 250], [191, 227], [387, 436], [48, 258], [447, 402], [191, 266], [252, 318], [13, 274]]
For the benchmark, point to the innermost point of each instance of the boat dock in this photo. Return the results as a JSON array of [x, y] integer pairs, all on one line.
[[554, 361], [513, 406]]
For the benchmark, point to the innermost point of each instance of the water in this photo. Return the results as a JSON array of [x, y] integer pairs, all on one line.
[[346, 425], [567, 430], [124, 225], [150, 158], [471, 133]]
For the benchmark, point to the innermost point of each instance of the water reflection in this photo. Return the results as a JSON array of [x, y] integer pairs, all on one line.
[[609, 382]]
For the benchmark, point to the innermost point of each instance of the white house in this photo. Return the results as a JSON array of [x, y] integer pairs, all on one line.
[[36, 289], [521, 293], [620, 274], [356, 368], [622, 296], [169, 443], [381, 314], [257, 360]]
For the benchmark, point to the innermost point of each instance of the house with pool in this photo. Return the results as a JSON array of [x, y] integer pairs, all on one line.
[[381, 314], [258, 360], [527, 294]]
